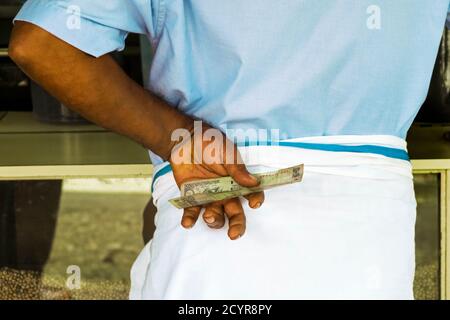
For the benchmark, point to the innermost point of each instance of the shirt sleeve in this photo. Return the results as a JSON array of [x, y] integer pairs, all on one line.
[[93, 26]]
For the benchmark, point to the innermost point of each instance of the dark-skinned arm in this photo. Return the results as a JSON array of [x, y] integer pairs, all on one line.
[[96, 88]]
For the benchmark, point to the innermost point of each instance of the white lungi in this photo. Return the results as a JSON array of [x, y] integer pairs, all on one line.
[[345, 232]]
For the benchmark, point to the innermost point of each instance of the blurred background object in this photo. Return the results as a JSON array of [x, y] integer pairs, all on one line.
[[98, 230], [15, 92], [436, 108], [427, 281]]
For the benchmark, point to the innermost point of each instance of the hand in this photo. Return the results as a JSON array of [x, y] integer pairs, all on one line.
[[228, 163]]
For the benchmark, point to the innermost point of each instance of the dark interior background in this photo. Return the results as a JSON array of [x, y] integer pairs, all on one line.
[[15, 92]]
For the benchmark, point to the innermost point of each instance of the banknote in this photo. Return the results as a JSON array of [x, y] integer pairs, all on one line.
[[201, 192]]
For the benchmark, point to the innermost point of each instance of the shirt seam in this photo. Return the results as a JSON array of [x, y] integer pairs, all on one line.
[[161, 18]]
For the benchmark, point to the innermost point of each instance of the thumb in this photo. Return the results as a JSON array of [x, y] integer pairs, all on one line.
[[240, 174]]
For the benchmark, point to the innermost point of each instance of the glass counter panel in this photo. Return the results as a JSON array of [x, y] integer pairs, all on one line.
[[427, 278], [93, 235]]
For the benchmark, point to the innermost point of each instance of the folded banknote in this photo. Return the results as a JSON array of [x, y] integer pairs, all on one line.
[[201, 192]]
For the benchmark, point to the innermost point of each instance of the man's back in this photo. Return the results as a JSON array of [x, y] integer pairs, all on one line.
[[308, 68]]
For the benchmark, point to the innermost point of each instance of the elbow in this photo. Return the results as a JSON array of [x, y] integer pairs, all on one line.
[[18, 52], [20, 48]]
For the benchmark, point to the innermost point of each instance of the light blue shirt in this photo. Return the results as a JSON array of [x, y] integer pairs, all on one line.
[[305, 67]]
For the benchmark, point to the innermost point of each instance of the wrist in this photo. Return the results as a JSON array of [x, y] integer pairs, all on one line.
[[175, 139]]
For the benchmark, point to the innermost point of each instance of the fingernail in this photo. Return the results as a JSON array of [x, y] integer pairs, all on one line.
[[257, 205], [236, 237], [210, 219], [186, 225]]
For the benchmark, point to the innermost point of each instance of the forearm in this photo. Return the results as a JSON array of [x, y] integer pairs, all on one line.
[[97, 88]]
